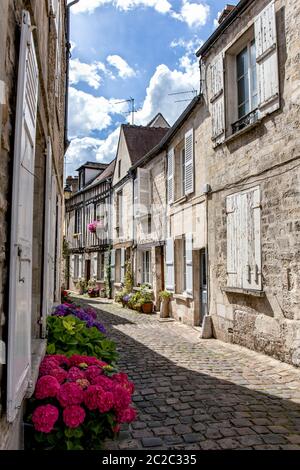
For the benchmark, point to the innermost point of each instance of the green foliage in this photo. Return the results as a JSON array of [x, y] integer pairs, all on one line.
[[69, 335], [128, 280], [81, 285], [119, 295], [165, 295]]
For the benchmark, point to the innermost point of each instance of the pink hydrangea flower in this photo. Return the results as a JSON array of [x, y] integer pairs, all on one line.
[[73, 416], [46, 387], [59, 373], [44, 418], [75, 373], [69, 394], [83, 383], [127, 416], [92, 372], [121, 398], [47, 365], [61, 359], [123, 380], [105, 382], [77, 360], [105, 402], [91, 396]]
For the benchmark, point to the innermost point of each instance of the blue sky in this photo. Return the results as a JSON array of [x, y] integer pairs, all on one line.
[[139, 48]]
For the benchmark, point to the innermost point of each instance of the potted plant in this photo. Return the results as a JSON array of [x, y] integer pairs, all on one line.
[[93, 289], [146, 299], [81, 286], [92, 227], [164, 296], [103, 293]]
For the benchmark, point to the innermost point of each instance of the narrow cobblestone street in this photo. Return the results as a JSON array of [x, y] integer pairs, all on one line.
[[201, 394]]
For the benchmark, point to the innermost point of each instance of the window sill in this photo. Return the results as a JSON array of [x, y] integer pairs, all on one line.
[[238, 290], [184, 297], [39, 347], [180, 200], [118, 284], [242, 131]]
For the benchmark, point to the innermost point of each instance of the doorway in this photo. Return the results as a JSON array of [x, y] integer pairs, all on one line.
[[88, 270], [203, 285]]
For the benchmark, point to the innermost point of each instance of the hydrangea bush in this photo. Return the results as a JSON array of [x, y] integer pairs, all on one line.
[[78, 402], [74, 330]]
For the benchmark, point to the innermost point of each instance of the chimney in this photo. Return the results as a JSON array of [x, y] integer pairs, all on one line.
[[72, 183], [228, 9]]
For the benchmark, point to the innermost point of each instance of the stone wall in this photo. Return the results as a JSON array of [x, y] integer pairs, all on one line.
[[50, 123], [268, 155]]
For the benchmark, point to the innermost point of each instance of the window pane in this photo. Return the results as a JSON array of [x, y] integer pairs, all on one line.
[[243, 97], [242, 63]]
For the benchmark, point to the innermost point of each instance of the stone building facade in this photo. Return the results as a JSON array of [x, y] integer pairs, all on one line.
[[32, 105], [251, 139], [87, 252]]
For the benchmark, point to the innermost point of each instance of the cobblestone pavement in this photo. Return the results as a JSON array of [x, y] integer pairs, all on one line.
[[201, 394]]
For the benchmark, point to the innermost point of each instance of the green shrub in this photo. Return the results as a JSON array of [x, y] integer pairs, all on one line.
[[69, 335]]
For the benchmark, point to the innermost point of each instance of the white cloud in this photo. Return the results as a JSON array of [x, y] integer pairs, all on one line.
[[107, 149], [88, 113], [166, 81], [216, 20], [124, 70], [161, 6], [194, 14], [190, 46], [89, 73]]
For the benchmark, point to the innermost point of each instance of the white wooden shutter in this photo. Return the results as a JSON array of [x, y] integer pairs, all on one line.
[[189, 162], [113, 265], [136, 197], [58, 261], [72, 266], [170, 281], [189, 263], [234, 275], [52, 240], [20, 269], [80, 267], [251, 249], [94, 266], [122, 264], [170, 159], [217, 99], [47, 268], [144, 191], [267, 60]]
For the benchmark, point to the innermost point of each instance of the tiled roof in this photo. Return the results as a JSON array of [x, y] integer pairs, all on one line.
[[140, 140], [107, 173]]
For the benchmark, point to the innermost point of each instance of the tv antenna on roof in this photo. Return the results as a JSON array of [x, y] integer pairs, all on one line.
[[183, 93], [133, 109]]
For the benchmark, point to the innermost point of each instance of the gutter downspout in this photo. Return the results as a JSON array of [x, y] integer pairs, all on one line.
[[68, 56]]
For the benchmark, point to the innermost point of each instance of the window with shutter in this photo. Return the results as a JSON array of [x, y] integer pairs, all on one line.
[[267, 60], [113, 265], [189, 162], [47, 304], [189, 263], [20, 269], [170, 281], [144, 192], [217, 100], [244, 240], [122, 264], [170, 160]]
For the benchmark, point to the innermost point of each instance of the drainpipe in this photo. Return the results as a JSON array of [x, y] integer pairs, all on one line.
[[68, 56]]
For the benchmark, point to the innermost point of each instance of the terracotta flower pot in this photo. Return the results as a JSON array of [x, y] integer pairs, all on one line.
[[147, 308]]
